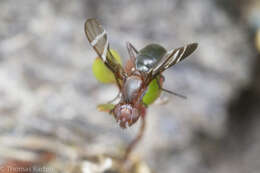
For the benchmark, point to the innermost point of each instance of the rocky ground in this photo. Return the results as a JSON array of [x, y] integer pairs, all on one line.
[[47, 88]]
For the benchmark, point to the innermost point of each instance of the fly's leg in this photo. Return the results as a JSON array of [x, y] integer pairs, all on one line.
[[114, 99], [162, 100], [168, 91], [118, 94], [109, 106]]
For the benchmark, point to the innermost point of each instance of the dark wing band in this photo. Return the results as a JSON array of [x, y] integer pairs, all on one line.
[[97, 37], [174, 56]]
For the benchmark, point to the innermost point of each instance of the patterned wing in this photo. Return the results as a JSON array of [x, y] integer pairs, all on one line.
[[97, 37], [132, 51], [172, 57]]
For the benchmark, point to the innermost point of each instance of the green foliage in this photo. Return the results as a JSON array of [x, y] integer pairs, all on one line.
[[153, 92], [101, 72], [105, 107]]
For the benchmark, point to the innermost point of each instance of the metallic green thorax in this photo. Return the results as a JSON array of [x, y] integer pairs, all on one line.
[[149, 56]]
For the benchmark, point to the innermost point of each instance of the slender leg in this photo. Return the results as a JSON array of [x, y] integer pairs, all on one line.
[[137, 139], [168, 91], [111, 101]]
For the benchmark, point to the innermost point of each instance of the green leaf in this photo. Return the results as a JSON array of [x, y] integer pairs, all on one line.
[[153, 92], [105, 107], [100, 70]]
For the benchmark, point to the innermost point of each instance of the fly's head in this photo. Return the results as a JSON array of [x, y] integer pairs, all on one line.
[[126, 115]]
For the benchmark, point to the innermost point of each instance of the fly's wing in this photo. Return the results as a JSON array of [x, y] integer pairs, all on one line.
[[132, 51], [172, 57], [97, 37]]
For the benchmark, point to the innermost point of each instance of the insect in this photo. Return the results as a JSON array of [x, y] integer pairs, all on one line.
[[144, 68], [139, 82]]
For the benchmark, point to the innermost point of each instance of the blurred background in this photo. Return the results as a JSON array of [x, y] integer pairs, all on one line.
[[48, 94]]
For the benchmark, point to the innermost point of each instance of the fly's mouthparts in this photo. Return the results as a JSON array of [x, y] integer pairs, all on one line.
[[127, 125]]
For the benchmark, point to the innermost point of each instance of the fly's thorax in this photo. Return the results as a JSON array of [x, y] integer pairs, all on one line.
[[149, 56], [131, 88]]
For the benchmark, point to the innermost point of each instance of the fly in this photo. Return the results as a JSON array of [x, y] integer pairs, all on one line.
[[144, 68]]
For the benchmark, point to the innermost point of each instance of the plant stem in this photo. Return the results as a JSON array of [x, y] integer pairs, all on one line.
[[137, 139]]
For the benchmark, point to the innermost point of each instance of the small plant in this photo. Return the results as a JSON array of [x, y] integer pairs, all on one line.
[[139, 82]]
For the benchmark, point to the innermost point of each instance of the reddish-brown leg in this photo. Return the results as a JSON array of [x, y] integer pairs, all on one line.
[[129, 66]]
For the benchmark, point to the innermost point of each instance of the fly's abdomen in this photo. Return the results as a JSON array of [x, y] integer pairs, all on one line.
[[149, 56]]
